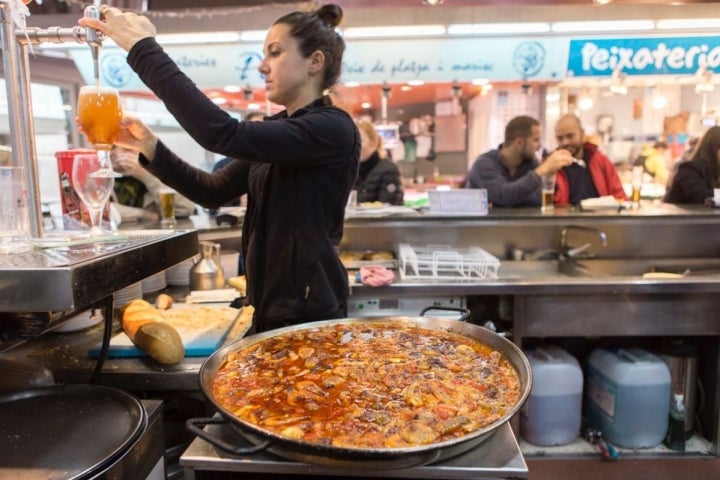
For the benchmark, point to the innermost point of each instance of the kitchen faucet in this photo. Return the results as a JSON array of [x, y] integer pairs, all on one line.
[[567, 252]]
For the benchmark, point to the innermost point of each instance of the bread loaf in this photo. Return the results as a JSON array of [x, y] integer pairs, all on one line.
[[160, 341], [145, 326], [239, 283], [163, 301], [137, 313]]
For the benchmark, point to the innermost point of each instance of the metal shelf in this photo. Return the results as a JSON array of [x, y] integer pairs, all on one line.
[[69, 278]]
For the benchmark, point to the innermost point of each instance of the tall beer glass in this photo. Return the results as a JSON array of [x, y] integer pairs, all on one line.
[[100, 113]]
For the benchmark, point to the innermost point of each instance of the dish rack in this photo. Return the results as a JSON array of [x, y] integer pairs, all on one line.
[[443, 261]]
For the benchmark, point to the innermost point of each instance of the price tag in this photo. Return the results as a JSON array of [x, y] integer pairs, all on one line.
[[467, 201]]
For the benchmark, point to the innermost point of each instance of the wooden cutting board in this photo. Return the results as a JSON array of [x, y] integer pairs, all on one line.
[[202, 328]]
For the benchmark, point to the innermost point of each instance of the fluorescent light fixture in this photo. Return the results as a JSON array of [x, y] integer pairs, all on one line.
[[551, 97], [232, 89], [396, 31], [497, 28], [253, 35], [415, 83], [705, 87], [603, 26], [195, 38], [619, 89], [689, 23], [352, 84]]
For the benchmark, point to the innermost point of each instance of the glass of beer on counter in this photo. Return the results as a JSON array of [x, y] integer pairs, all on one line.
[[548, 193], [637, 181], [167, 208], [99, 113]]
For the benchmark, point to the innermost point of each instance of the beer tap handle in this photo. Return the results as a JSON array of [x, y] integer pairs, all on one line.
[[94, 38]]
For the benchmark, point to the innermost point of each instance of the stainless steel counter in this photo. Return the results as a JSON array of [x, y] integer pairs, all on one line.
[[63, 279]]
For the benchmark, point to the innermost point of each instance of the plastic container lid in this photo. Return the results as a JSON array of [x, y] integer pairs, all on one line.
[[555, 371], [630, 366]]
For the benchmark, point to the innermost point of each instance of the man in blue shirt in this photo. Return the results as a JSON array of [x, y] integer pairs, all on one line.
[[511, 173]]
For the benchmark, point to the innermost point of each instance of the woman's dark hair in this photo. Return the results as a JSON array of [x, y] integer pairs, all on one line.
[[316, 31], [707, 152]]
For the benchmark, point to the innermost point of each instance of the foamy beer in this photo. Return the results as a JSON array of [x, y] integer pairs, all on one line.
[[100, 114], [167, 207], [548, 193]]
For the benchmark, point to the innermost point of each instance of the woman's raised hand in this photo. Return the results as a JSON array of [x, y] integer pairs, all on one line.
[[124, 28]]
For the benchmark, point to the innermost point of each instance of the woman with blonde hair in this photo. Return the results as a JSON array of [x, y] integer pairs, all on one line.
[[378, 179]]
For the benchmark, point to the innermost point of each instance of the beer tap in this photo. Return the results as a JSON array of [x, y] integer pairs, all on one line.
[[94, 39], [14, 40]]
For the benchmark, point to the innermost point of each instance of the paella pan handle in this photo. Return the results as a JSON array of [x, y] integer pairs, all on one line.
[[195, 426], [465, 312]]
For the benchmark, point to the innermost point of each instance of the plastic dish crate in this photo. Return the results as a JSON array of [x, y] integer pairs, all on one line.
[[443, 261]]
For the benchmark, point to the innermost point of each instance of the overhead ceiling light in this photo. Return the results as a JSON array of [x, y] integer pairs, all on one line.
[[480, 81], [704, 87], [659, 101], [397, 31], [432, 3], [704, 78], [603, 26], [585, 102], [366, 105], [690, 23], [352, 84], [619, 89], [195, 38], [497, 28], [232, 89], [618, 86], [415, 83]]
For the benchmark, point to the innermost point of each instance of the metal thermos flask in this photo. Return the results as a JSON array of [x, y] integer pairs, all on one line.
[[207, 274], [681, 358]]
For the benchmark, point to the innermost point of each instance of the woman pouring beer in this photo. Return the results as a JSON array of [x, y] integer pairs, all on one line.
[[297, 167]]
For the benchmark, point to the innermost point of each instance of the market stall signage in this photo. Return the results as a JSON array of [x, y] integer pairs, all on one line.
[[365, 61], [643, 56]]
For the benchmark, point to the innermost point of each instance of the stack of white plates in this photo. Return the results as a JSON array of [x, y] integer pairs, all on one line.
[[123, 296], [82, 320], [180, 273], [154, 283]]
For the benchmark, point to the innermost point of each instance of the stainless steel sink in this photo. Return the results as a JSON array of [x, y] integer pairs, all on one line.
[[528, 269], [631, 268], [637, 267]]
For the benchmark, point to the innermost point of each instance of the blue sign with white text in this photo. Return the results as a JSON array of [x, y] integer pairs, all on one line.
[[643, 56]]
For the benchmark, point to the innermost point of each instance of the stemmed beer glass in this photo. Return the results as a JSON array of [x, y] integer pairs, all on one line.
[[99, 115], [93, 181]]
